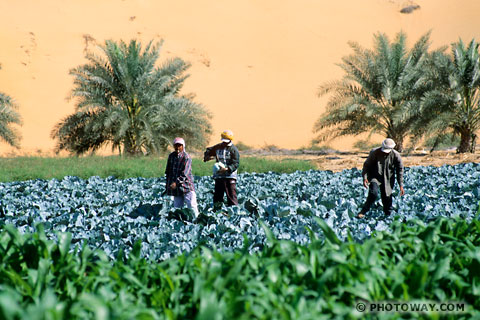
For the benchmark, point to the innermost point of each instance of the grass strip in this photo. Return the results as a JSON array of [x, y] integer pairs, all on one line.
[[30, 168]]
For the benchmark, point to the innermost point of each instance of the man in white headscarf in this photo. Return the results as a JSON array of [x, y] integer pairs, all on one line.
[[382, 166]]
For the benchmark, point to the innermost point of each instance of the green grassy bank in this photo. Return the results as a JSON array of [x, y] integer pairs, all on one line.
[[28, 168]]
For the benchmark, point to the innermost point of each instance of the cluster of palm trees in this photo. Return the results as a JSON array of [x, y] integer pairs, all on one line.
[[124, 100], [405, 93]]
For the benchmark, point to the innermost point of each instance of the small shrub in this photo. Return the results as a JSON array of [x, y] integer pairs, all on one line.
[[242, 146], [442, 142], [365, 145]]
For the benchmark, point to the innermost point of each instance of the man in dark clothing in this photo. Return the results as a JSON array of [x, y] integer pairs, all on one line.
[[382, 166], [225, 169], [180, 178]]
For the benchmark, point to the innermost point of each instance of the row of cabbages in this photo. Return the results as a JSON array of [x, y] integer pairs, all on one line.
[[112, 214]]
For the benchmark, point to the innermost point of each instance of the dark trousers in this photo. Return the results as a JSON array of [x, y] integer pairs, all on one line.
[[228, 186], [387, 201]]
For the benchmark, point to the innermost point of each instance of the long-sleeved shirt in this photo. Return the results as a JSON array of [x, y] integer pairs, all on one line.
[[179, 170], [228, 155], [383, 168]]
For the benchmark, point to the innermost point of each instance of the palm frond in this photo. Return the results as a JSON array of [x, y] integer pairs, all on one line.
[[9, 117]]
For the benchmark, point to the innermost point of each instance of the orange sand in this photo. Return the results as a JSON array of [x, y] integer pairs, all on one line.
[[256, 64]]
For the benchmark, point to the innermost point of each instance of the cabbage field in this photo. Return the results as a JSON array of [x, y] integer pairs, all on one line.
[[292, 249], [113, 214]]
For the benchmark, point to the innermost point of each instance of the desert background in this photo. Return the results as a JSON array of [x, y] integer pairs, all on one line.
[[256, 64]]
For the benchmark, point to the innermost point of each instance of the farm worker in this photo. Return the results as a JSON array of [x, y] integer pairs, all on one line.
[[379, 171], [225, 169], [180, 178]]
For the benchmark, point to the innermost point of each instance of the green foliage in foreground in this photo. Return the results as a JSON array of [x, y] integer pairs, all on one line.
[[415, 262], [29, 168]]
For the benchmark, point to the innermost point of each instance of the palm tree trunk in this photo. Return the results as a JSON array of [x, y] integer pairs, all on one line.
[[399, 146], [398, 142], [474, 143], [465, 141], [130, 146]]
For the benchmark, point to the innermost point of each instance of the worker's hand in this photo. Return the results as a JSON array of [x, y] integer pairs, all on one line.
[[402, 191], [173, 186], [207, 158], [365, 183], [222, 170]]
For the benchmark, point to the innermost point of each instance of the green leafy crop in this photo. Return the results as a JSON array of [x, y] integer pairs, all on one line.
[[113, 214], [439, 261]]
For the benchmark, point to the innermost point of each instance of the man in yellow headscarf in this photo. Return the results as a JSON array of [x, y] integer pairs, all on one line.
[[225, 170]]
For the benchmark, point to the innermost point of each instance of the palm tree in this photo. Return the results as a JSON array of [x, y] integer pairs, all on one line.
[[9, 116], [453, 108], [380, 92], [128, 103]]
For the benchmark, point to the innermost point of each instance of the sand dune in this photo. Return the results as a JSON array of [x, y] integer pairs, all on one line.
[[256, 64]]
